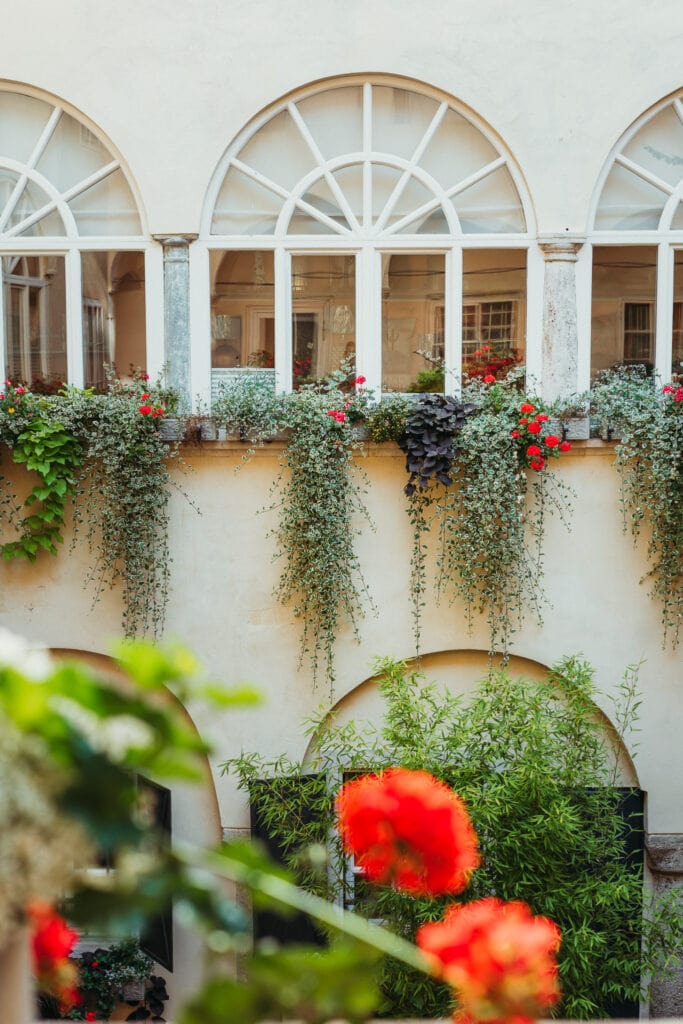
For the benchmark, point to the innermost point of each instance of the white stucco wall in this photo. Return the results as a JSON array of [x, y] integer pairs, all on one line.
[[222, 605], [172, 82]]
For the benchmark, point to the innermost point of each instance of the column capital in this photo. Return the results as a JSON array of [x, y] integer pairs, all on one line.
[[560, 247], [175, 246]]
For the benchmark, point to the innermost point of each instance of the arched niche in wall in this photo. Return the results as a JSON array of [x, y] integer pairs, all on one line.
[[459, 672], [195, 819], [374, 217], [636, 230]]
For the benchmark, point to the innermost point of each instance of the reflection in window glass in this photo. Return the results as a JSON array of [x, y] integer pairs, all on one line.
[[242, 312], [413, 321], [113, 315], [323, 315], [35, 320], [677, 334], [493, 311], [623, 310]]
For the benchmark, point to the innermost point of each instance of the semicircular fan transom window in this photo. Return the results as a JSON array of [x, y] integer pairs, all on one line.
[[368, 160]]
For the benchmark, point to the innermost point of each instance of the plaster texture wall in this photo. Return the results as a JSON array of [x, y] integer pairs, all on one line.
[[222, 605], [172, 83]]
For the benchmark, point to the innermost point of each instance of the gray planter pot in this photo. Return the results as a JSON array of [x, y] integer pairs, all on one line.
[[171, 429], [575, 428]]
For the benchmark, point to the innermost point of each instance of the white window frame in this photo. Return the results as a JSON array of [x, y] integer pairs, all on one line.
[[71, 244], [366, 242]]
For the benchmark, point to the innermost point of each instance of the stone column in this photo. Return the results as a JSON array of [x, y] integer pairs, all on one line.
[[16, 984], [177, 353], [560, 334], [665, 860]]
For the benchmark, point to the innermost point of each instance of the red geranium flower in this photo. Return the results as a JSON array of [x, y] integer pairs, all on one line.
[[145, 410], [52, 937], [542, 417], [408, 829], [538, 463], [552, 441], [565, 446], [524, 420], [499, 958], [360, 380], [534, 428], [91, 1015], [489, 378], [514, 433], [533, 449], [667, 389], [526, 407], [678, 397]]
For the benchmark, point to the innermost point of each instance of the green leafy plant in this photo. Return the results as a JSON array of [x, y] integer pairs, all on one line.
[[104, 972], [320, 495], [649, 458], [536, 769]]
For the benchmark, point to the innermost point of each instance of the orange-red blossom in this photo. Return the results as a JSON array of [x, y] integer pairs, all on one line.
[[408, 829], [52, 943], [498, 957]]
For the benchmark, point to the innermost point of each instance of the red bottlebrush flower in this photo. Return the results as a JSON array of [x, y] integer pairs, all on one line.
[[145, 410], [552, 441], [498, 957], [489, 379], [534, 427], [514, 433], [565, 446], [533, 449], [526, 407], [537, 464], [408, 829]]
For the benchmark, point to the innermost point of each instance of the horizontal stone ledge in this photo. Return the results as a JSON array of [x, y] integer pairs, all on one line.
[[665, 852]]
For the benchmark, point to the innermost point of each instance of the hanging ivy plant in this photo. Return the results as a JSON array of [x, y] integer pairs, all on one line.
[[650, 461], [322, 492], [106, 451]]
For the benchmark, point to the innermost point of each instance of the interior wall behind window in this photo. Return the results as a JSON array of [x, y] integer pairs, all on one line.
[[623, 307], [114, 333], [34, 294]]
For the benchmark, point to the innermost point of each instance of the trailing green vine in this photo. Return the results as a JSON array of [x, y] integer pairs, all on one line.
[[321, 494], [649, 459], [104, 450]]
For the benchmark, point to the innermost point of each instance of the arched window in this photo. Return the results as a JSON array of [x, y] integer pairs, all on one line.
[[72, 250], [637, 295], [372, 219]]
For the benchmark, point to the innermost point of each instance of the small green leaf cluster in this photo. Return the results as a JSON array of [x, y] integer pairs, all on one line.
[[649, 457], [536, 770], [104, 972]]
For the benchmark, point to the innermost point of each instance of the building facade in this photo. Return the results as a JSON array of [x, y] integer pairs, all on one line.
[[214, 188]]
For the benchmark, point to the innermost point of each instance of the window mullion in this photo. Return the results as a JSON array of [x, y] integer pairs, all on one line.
[[453, 321], [534, 315], [200, 322], [369, 316], [283, 319], [664, 311], [74, 319], [3, 339], [584, 302]]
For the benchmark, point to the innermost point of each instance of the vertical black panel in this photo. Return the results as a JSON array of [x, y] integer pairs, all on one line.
[[157, 938], [292, 928]]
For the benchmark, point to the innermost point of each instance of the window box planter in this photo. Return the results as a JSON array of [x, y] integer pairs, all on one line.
[[573, 428]]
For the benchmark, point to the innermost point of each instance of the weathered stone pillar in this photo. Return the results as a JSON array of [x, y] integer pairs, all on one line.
[[16, 983], [665, 860], [560, 334], [177, 312]]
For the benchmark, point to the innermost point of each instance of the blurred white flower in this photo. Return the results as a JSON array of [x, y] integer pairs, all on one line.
[[113, 736], [25, 656]]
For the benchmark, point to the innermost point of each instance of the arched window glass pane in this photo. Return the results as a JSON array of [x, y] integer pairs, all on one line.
[[335, 119], [493, 311], [624, 307], [279, 135], [242, 313], [107, 208], [413, 293], [302, 223], [321, 197], [22, 120], [400, 118], [35, 320], [72, 154], [113, 315], [658, 146], [412, 197], [628, 203], [350, 180], [457, 150], [677, 221], [244, 207], [490, 205], [323, 315], [31, 200]]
